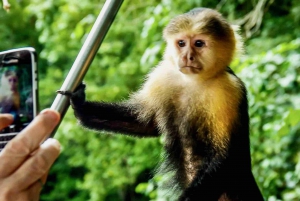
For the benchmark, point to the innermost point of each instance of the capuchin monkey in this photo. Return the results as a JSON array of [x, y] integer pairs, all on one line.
[[9, 93], [197, 103]]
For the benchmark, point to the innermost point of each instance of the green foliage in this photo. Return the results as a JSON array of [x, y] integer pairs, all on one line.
[[273, 82], [95, 166]]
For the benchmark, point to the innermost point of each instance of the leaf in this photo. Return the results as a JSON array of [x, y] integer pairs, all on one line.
[[294, 117]]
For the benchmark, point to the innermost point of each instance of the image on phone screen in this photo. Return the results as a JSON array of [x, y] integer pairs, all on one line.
[[17, 91]]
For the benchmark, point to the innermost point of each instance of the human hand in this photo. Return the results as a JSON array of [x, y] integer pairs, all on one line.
[[25, 161]]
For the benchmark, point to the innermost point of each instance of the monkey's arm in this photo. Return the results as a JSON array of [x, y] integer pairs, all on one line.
[[114, 117]]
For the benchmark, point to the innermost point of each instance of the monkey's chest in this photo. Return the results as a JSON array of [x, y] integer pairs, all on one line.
[[186, 138], [191, 163]]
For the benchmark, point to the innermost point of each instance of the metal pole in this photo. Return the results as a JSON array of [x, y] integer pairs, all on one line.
[[86, 55]]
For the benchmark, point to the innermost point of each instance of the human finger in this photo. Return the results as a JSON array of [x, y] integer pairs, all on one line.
[[34, 191], [30, 194], [44, 178], [19, 149], [5, 120], [35, 167]]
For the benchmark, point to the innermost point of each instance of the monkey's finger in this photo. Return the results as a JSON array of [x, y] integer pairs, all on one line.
[[81, 87], [22, 146], [66, 93], [5, 120], [35, 167]]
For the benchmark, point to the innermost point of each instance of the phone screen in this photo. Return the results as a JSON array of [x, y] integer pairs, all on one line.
[[17, 90]]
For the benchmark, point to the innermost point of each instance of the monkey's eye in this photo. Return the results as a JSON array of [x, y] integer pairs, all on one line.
[[181, 43], [199, 43]]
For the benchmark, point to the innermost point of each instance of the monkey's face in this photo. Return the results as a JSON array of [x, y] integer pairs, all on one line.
[[200, 42], [10, 82], [196, 54], [190, 53]]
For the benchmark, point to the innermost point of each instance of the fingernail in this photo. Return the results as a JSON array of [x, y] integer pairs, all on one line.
[[51, 141], [51, 114]]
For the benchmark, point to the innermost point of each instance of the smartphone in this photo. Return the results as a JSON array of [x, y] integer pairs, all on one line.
[[18, 90]]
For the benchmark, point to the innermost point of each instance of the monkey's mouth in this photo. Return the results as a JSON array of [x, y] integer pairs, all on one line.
[[190, 69]]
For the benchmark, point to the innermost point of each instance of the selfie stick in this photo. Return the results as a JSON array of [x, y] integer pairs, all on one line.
[[86, 55]]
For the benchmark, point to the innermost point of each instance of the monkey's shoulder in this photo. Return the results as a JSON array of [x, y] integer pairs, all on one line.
[[223, 99], [161, 84], [164, 86]]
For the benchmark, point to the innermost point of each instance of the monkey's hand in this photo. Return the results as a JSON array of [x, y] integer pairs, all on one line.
[[77, 98]]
